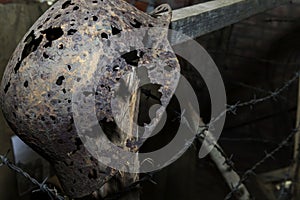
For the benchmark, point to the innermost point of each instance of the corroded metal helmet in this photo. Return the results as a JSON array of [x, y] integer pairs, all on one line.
[[78, 43]]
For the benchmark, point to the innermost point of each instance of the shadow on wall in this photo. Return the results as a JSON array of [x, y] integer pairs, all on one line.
[[15, 20]]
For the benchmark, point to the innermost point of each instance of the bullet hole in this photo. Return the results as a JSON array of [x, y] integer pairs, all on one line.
[[64, 91], [95, 1], [72, 31], [17, 67], [149, 91], [57, 16], [52, 34], [104, 35], [76, 8], [116, 68], [95, 18], [115, 30], [52, 117], [136, 24], [61, 46], [47, 20], [31, 45], [7, 87], [60, 79], [132, 57], [26, 84], [45, 55], [67, 4], [69, 67]]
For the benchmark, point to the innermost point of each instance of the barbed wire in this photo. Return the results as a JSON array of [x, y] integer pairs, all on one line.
[[256, 89], [248, 139], [233, 108], [273, 95], [251, 171], [52, 193], [258, 59]]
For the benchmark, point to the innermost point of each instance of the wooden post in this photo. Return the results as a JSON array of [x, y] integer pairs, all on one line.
[[128, 116], [203, 18], [296, 193], [217, 155]]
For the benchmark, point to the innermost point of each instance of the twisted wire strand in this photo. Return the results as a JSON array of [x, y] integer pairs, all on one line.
[[230, 108], [251, 171], [42, 186], [273, 95]]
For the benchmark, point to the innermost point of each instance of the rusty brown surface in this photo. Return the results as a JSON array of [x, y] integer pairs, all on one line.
[[61, 50]]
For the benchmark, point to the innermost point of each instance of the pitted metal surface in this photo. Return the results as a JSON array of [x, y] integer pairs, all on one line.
[[75, 43]]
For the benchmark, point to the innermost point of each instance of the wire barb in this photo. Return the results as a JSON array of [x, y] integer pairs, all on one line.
[[251, 171], [271, 96], [42, 186]]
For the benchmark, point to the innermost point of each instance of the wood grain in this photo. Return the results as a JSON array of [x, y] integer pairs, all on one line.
[[203, 18]]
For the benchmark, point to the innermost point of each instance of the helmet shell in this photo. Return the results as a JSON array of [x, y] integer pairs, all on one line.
[[68, 45]]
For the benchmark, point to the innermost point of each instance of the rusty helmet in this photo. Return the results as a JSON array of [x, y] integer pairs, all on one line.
[[71, 42]]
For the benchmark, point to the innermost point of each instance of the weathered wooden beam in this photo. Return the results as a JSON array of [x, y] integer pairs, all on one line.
[[217, 155], [203, 18], [296, 166]]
